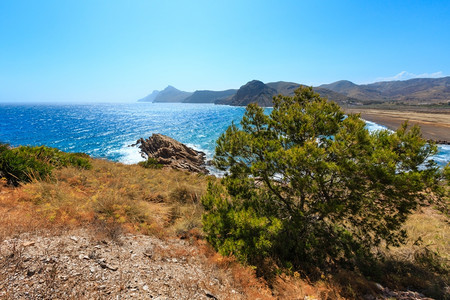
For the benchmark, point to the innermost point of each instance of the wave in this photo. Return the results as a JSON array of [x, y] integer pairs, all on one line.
[[128, 154]]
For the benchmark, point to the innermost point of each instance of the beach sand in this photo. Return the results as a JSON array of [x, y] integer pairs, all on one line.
[[435, 126]]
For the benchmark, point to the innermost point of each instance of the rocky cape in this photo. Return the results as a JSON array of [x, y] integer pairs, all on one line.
[[171, 153]]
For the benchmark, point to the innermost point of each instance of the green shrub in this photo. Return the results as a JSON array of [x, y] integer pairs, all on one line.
[[150, 163], [24, 163], [306, 186], [235, 228]]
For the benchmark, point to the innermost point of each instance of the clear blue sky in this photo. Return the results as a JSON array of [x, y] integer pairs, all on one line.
[[90, 50]]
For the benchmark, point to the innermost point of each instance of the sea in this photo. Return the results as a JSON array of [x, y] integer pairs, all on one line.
[[108, 130]]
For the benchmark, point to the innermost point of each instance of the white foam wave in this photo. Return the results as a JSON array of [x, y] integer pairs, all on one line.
[[209, 154], [129, 154], [372, 126], [443, 156]]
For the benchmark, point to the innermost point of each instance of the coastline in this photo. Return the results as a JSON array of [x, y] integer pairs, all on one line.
[[434, 126]]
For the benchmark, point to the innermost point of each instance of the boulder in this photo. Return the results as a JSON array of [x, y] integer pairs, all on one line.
[[171, 153]]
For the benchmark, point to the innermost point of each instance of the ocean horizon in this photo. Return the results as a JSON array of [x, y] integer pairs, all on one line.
[[106, 130]]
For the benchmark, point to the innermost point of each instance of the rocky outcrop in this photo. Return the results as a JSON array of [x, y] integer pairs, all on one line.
[[171, 153]]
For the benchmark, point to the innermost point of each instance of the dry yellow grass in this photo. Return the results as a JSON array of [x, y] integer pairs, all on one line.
[[423, 262], [140, 200], [427, 229]]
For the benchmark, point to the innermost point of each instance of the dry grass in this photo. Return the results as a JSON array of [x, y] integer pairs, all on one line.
[[141, 200], [423, 263], [16, 216], [428, 229]]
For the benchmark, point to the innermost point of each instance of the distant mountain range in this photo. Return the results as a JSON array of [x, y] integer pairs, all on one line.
[[413, 91], [169, 94], [209, 96]]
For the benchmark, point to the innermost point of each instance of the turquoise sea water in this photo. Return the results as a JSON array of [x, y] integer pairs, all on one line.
[[107, 130]]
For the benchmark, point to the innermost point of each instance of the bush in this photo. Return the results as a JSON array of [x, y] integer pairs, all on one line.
[[308, 186], [150, 163], [24, 163]]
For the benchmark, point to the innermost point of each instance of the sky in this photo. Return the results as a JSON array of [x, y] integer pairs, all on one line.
[[120, 51]]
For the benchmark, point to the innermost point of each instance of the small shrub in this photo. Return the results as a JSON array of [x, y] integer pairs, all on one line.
[[184, 195], [24, 163], [150, 163], [107, 229], [110, 206]]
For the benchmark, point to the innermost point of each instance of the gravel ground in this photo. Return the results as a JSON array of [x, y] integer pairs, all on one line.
[[79, 265], [76, 265]]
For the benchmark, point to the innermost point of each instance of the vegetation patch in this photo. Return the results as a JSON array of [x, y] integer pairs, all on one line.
[[150, 163], [24, 163]]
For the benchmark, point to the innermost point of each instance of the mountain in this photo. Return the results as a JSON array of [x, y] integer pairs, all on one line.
[[171, 94], [283, 87], [209, 96], [413, 91], [149, 98], [257, 91], [341, 86], [339, 98], [253, 91]]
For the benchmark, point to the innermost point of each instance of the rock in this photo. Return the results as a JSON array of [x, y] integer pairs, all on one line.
[[103, 264], [74, 238], [379, 286], [30, 272], [171, 153], [27, 244], [211, 296]]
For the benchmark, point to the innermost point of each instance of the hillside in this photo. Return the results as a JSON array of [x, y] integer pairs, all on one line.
[[412, 91], [171, 94], [283, 87], [149, 98], [252, 91], [257, 91], [207, 96]]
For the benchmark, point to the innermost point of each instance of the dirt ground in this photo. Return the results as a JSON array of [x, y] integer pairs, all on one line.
[[435, 126]]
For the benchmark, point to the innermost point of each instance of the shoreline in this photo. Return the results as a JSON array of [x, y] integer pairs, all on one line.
[[434, 126]]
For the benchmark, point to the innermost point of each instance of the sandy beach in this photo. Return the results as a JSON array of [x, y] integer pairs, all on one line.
[[435, 126]]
